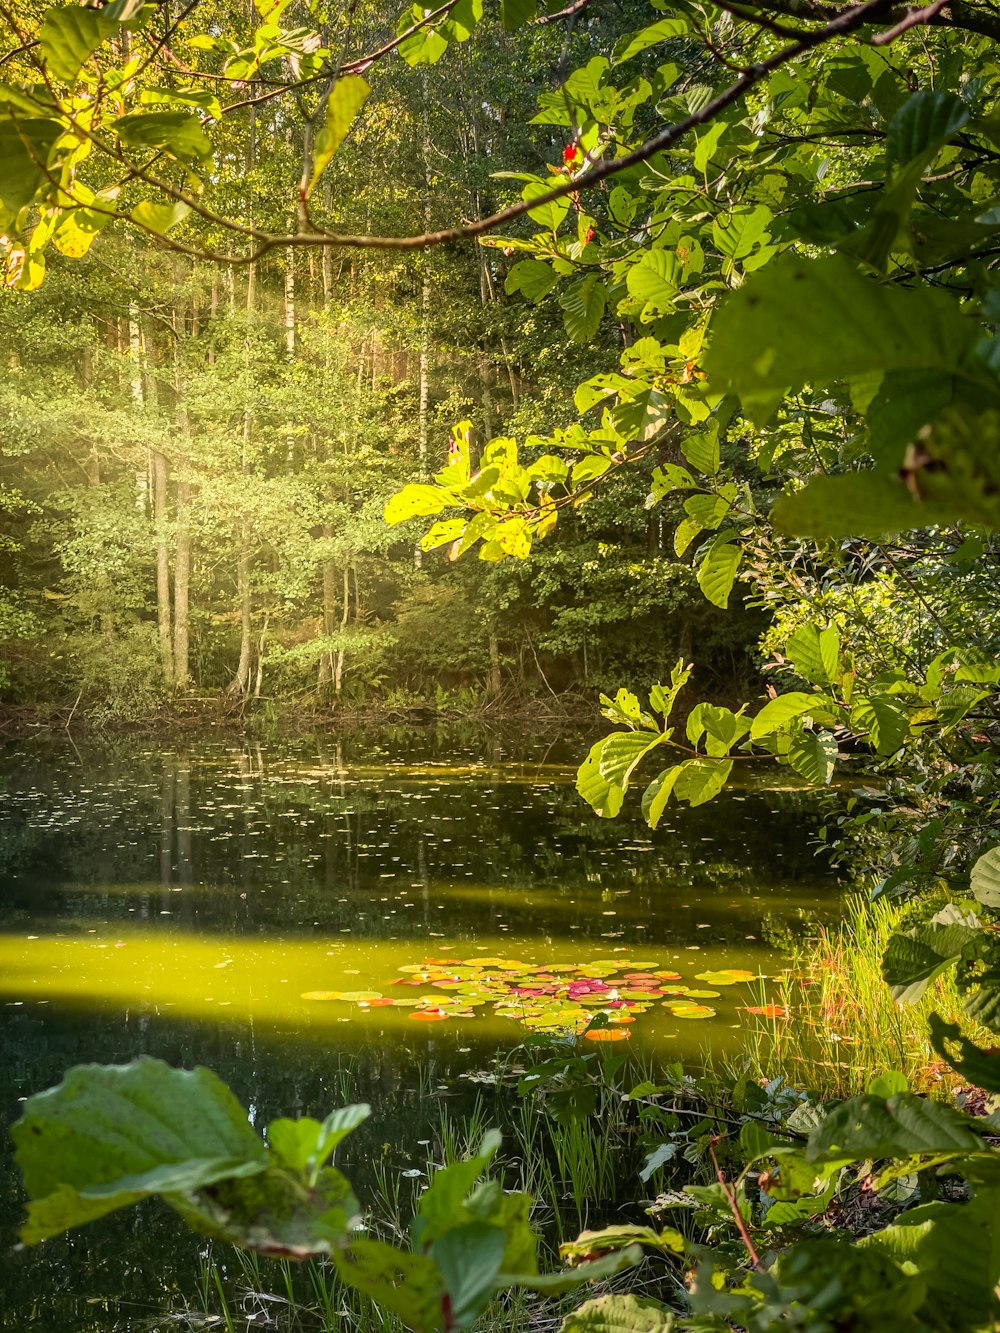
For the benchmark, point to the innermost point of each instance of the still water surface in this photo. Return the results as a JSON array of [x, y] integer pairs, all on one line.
[[180, 901]]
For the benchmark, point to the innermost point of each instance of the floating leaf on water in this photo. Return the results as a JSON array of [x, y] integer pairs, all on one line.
[[667, 976], [728, 976], [606, 1034], [695, 1011], [767, 1010], [380, 1004], [360, 996], [701, 994], [428, 1016], [404, 1004], [320, 995], [619, 1019]]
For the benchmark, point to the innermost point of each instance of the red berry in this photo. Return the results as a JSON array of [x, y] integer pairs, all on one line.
[[570, 153]]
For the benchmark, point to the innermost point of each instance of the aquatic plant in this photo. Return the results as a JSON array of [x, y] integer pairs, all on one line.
[[595, 1000]]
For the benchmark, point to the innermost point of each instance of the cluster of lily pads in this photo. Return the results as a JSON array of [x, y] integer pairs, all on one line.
[[553, 997]]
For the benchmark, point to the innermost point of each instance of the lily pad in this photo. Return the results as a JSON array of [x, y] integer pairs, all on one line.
[[606, 1034], [767, 1010], [320, 995], [728, 976]]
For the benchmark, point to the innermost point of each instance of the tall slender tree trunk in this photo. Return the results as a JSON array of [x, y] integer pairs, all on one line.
[[425, 301], [182, 588], [160, 515], [182, 541], [338, 665]]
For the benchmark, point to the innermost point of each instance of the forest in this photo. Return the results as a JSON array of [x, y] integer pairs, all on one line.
[[518, 364]]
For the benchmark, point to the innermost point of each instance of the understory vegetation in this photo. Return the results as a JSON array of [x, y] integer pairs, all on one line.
[[648, 352]]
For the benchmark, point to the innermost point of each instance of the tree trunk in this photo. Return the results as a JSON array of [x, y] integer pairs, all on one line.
[[240, 683], [338, 666], [160, 476], [182, 588], [425, 304]]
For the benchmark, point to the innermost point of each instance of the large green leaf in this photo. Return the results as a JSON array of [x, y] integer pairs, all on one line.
[[985, 879], [775, 714], [902, 1126], [469, 1259], [583, 305], [981, 1068], [883, 720], [70, 35], [444, 1204], [603, 777], [956, 1249], [623, 1313], [348, 97], [815, 653], [816, 321], [858, 504], [110, 1135], [276, 1211], [813, 754], [178, 133], [718, 569], [407, 1284], [25, 145], [914, 957], [533, 278], [925, 123]]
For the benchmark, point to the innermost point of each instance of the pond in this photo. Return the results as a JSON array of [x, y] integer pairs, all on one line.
[[363, 917]]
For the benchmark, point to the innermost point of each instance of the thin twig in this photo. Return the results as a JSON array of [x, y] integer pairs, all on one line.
[[734, 1208]]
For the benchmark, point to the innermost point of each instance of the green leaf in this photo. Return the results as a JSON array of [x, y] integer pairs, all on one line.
[[178, 133], [276, 1212], [554, 1284], [815, 653], [407, 1284], [443, 1204], [956, 1250], [914, 957], [700, 780], [25, 145], [873, 1127], [883, 720], [583, 305], [533, 278], [159, 217], [635, 43], [815, 321], [515, 13], [702, 451], [469, 1259], [110, 1135], [925, 123], [986, 879], [718, 569], [814, 755], [603, 777], [416, 501], [656, 795], [69, 36], [656, 278], [981, 1068], [775, 714], [549, 214], [349, 95], [305, 1144]]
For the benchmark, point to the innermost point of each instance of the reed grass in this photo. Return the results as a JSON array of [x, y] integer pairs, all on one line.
[[843, 1029]]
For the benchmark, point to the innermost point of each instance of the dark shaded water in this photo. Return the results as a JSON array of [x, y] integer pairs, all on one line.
[[179, 902]]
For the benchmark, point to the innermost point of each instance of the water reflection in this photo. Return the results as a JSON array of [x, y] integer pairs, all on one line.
[[179, 901]]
